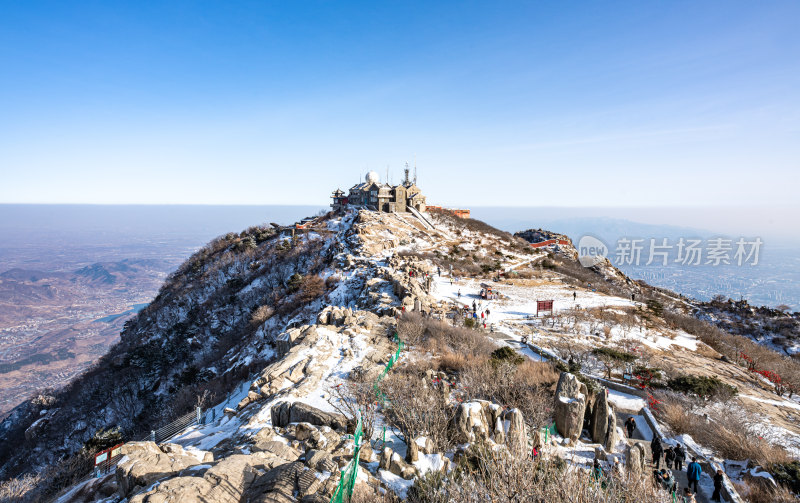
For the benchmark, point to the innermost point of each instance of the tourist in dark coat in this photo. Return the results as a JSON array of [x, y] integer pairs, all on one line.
[[669, 457], [657, 450], [630, 426], [680, 457], [718, 479]]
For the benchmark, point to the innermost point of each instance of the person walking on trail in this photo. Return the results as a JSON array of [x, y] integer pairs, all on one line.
[[438, 271], [459, 293], [574, 296], [669, 457], [474, 307], [688, 497], [693, 471], [718, 479], [657, 449], [630, 426], [680, 457]]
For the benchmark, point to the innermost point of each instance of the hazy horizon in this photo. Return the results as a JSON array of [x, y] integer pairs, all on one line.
[[776, 222], [94, 233]]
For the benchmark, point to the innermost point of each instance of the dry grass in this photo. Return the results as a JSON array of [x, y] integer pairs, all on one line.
[[417, 409], [760, 492], [457, 362], [491, 475], [440, 338], [20, 489], [527, 387]]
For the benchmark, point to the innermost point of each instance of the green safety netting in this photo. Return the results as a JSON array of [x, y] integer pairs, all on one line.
[[347, 480], [396, 356]]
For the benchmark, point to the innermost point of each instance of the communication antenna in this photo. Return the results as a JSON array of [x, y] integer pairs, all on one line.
[[386, 180], [406, 182], [415, 169]]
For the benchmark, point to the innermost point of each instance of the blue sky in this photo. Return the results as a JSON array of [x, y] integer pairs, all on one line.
[[503, 103]]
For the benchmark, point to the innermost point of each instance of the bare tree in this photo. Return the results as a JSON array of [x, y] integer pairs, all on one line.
[[353, 396], [417, 409]]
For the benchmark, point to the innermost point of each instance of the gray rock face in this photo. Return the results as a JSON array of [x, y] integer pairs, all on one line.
[[279, 449], [600, 415], [612, 436], [321, 461], [284, 413], [604, 422], [280, 484], [570, 406]]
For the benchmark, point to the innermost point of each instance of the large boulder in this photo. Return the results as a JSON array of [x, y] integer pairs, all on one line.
[[144, 463], [635, 459], [277, 448], [279, 485], [474, 421], [516, 436], [604, 423], [229, 480], [284, 413], [321, 461], [385, 460], [399, 467], [570, 406], [612, 435], [412, 452]]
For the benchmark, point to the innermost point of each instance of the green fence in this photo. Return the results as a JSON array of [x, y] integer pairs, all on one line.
[[396, 356], [347, 480], [548, 431]]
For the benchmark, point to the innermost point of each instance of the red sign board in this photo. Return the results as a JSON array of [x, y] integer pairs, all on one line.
[[106, 455], [544, 305]]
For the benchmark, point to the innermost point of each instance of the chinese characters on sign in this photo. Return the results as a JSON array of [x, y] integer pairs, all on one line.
[[691, 252]]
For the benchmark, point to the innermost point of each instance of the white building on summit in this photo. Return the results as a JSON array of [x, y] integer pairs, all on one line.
[[377, 196]]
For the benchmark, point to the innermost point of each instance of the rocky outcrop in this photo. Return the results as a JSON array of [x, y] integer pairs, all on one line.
[[570, 406], [475, 420], [228, 480], [336, 316], [604, 422], [321, 461], [635, 458], [516, 435], [393, 462], [284, 413], [281, 484], [278, 449], [145, 463]]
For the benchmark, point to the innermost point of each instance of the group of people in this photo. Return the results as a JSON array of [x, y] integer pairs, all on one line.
[[674, 457]]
